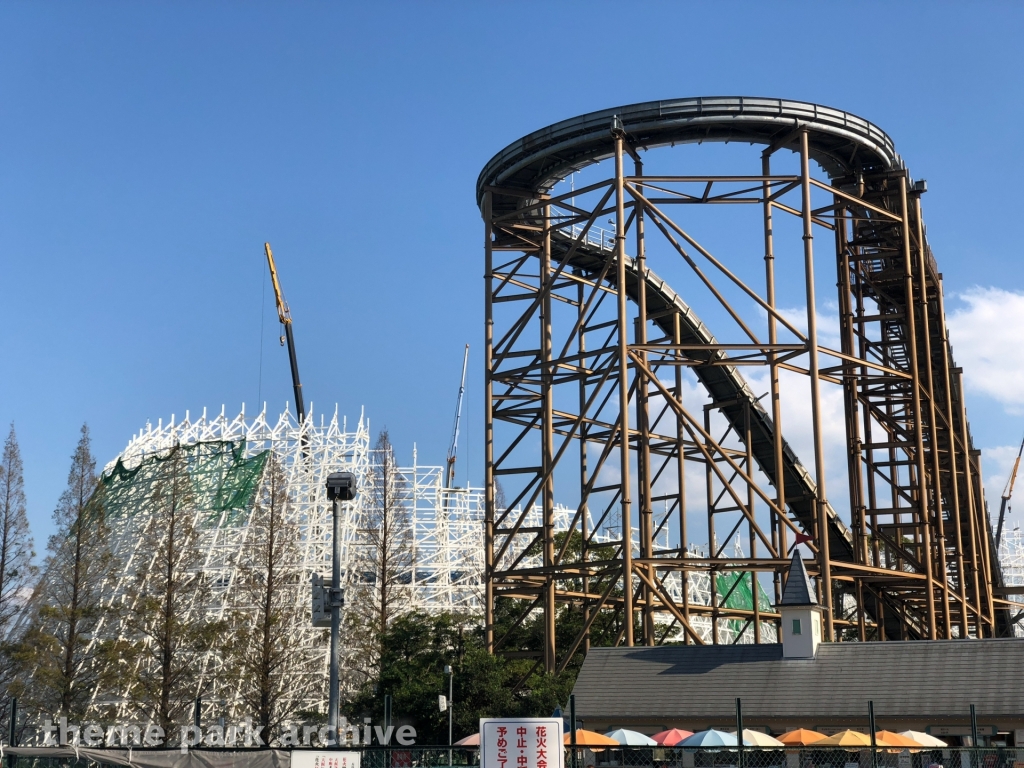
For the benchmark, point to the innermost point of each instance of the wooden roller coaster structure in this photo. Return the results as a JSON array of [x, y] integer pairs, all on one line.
[[589, 353]]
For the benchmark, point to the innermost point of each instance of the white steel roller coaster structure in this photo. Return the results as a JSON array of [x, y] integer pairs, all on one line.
[[1011, 558], [447, 524]]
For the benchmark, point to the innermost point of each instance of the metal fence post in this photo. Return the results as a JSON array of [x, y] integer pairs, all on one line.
[[974, 734], [12, 739], [874, 738], [739, 734], [572, 731], [387, 728]]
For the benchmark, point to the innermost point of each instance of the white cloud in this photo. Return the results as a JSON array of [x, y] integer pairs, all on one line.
[[826, 317], [798, 428], [986, 334]]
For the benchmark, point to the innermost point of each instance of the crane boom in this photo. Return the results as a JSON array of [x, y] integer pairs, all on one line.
[[285, 316], [454, 447], [1007, 493]]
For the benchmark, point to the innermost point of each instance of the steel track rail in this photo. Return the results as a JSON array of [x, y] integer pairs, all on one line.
[[840, 142]]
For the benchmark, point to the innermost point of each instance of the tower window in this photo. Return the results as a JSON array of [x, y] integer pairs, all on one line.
[[796, 626]]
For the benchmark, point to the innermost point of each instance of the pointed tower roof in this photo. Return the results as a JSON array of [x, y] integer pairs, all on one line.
[[799, 589]]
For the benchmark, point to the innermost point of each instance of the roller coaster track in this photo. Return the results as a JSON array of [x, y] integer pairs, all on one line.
[[891, 315]]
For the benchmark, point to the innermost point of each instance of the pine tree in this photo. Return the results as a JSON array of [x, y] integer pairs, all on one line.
[[265, 650], [168, 620], [62, 663], [16, 554]]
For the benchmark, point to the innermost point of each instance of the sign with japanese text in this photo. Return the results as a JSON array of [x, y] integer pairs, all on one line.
[[303, 758], [524, 742]]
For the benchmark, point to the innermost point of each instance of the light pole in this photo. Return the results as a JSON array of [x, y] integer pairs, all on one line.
[[341, 486], [448, 671]]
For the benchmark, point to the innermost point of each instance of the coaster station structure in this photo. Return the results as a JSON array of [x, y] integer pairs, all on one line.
[[589, 354]]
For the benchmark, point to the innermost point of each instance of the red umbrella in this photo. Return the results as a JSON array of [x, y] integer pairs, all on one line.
[[473, 740], [671, 737]]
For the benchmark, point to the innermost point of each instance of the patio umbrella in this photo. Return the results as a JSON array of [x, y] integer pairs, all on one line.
[[671, 737], [896, 739], [586, 738], [473, 740], [631, 738], [759, 739], [924, 739], [848, 738], [801, 737], [709, 738]]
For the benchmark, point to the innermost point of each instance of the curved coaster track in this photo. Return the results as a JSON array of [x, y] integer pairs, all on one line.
[[592, 361]]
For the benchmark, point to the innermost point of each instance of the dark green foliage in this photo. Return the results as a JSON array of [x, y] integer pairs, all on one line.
[[416, 648]]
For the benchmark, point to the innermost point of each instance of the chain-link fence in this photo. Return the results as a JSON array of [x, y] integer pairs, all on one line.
[[626, 757], [802, 757]]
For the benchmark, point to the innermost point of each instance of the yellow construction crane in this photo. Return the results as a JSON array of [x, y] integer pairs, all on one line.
[[285, 316]]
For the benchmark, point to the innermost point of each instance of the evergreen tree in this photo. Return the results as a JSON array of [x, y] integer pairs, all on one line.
[[265, 650], [61, 661], [418, 646], [16, 554], [169, 618]]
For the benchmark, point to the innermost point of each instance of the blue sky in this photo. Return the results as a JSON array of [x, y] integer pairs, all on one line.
[[147, 151]]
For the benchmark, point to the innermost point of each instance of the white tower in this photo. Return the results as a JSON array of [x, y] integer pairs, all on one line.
[[801, 614]]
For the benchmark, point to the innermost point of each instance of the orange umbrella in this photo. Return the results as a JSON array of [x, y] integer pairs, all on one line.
[[801, 737], [590, 739], [891, 739], [473, 740], [848, 738]]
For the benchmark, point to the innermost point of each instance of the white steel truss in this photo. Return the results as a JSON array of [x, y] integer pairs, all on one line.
[[307, 453], [448, 535], [447, 543], [1011, 559]]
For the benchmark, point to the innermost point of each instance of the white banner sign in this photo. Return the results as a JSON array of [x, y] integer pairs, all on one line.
[[304, 758], [510, 742]]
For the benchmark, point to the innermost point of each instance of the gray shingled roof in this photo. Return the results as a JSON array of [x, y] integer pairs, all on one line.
[[904, 679], [799, 589]]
